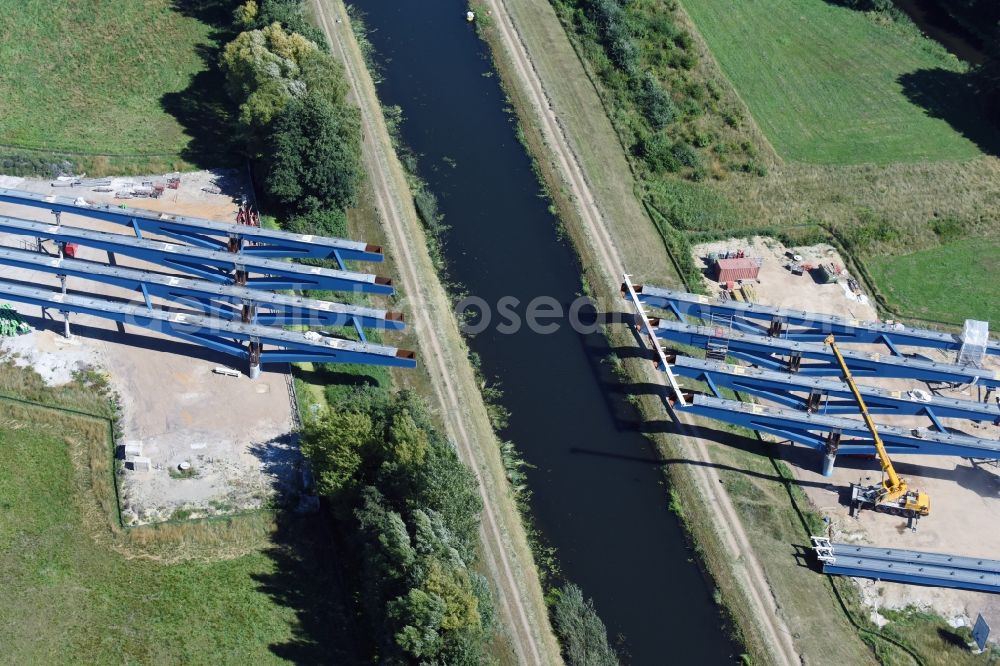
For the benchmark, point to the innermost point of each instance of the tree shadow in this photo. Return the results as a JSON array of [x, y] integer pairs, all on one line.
[[954, 98], [307, 579], [203, 109]]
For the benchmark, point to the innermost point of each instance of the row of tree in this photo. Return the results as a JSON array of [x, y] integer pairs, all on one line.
[[410, 512], [293, 118]]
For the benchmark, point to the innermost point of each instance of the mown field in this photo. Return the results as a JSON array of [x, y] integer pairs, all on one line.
[[113, 77], [949, 283], [78, 589], [829, 85]]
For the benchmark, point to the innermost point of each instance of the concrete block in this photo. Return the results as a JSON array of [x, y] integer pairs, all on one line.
[[141, 464]]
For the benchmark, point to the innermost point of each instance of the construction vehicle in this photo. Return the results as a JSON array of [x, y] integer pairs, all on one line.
[[892, 495]]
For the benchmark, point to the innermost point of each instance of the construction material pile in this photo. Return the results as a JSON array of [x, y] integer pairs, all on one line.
[[11, 323]]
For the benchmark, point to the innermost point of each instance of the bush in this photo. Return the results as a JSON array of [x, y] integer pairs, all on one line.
[[949, 229], [324, 222], [657, 151], [581, 633], [655, 103], [685, 154], [869, 230]]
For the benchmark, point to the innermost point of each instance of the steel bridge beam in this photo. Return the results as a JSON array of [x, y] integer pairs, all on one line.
[[812, 430], [828, 396], [911, 566], [220, 335], [760, 319], [214, 265], [207, 234], [271, 309], [776, 354]]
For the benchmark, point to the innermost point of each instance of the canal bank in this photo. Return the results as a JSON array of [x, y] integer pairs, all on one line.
[[597, 485]]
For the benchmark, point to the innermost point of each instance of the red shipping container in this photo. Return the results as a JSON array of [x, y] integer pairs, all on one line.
[[743, 268]]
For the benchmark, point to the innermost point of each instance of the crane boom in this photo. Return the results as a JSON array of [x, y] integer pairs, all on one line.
[[892, 494], [893, 482]]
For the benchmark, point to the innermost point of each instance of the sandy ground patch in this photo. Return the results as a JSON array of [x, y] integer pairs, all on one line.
[[965, 497]]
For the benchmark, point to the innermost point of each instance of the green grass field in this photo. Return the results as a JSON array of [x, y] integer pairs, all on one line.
[[949, 283], [100, 77], [77, 589], [828, 85]]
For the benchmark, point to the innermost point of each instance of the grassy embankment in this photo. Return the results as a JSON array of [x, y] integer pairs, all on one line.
[[123, 87], [774, 508], [873, 136], [879, 139], [77, 587]]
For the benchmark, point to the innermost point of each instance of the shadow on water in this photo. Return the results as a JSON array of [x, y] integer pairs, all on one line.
[[306, 579], [203, 109]]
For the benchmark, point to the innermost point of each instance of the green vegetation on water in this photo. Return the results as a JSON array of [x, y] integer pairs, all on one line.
[[105, 78], [831, 85], [945, 283]]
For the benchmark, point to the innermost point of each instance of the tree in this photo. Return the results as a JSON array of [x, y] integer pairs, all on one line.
[[420, 615], [263, 72], [315, 152], [335, 446]]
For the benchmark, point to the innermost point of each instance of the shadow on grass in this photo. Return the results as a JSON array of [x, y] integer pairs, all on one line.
[[307, 579], [203, 109], [955, 98]]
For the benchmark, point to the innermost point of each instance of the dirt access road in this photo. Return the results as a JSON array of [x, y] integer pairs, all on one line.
[[505, 547], [604, 251]]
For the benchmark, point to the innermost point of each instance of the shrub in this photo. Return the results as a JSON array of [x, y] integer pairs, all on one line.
[[655, 103], [949, 229], [583, 637], [658, 151], [323, 222], [869, 230]]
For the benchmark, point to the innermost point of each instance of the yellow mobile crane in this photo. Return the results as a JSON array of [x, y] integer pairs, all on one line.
[[892, 495]]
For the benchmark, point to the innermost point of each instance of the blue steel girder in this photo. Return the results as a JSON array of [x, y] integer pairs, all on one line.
[[776, 354], [811, 430], [213, 265], [793, 390], [915, 567], [217, 334], [272, 309], [811, 327], [207, 234]]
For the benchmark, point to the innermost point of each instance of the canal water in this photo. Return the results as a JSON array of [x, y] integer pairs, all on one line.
[[939, 26], [598, 493]]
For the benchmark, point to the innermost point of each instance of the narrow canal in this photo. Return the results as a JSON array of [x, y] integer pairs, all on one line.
[[598, 493], [939, 26]]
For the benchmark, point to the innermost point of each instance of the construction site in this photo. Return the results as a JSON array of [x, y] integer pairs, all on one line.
[[892, 431], [188, 307]]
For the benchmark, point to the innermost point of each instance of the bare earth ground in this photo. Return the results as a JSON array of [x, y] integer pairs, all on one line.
[[234, 432], [965, 498], [506, 553]]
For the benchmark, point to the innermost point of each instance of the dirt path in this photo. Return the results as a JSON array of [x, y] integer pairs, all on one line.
[[505, 548], [612, 264]]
